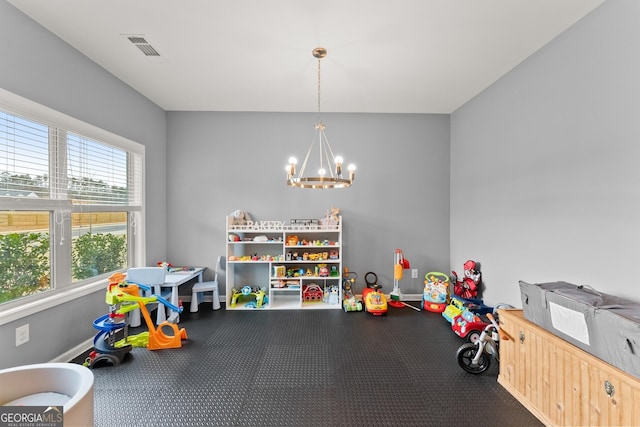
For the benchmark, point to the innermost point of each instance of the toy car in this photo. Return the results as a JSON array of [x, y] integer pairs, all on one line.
[[469, 326], [454, 309], [375, 302], [457, 305]]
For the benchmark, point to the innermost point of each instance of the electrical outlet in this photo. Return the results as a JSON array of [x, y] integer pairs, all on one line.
[[22, 334], [414, 273]]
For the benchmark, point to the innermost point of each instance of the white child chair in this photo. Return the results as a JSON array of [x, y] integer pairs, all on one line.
[[211, 286]]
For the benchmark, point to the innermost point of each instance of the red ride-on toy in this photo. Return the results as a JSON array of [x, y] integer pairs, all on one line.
[[375, 302], [469, 324]]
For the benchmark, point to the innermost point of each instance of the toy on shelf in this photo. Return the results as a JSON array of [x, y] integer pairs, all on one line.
[[436, 292], [468, 286], [123, 297], [323, 270], [331, 218], [255, 297], [332, 295], [350, 303], [239, 217], [312, 293], [375, 302]]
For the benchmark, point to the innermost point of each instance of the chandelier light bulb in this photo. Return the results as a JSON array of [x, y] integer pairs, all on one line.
[[291, 167], [322, 172]]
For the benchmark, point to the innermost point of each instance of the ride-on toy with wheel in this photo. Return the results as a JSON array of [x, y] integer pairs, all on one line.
[[435, 296], [475, 358], [469, 324], [375, 302], [350, 303]]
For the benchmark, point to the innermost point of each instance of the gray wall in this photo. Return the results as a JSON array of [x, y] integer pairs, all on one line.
[[39, 66], [220, 162], [544, 175]]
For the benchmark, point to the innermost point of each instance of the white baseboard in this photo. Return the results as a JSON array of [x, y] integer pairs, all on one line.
[[223, 298], [75, 351], [405, 297]]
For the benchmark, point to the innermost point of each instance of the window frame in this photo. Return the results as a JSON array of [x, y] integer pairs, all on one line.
[[64, 289]]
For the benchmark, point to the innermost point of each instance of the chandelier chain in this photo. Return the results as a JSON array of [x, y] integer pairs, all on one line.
[[318, 87]]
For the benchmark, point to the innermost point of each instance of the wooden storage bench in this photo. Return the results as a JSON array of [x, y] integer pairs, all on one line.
[[561, 384]]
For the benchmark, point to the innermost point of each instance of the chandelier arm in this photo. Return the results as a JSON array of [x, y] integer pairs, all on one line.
[[321, 148], [328, 154], [306, 158]]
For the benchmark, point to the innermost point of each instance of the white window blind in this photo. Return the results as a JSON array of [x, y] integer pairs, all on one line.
[[99, 174], [37, 162], [24, 157]]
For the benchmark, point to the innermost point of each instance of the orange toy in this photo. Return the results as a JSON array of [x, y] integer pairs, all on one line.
[[157, 338]]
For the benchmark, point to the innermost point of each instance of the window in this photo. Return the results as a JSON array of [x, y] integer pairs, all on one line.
[[70, 201]]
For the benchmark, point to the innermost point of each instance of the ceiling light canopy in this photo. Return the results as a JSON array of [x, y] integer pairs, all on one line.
[[329, 172]]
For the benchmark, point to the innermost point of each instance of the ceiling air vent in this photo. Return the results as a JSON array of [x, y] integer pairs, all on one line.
[[143, 45]]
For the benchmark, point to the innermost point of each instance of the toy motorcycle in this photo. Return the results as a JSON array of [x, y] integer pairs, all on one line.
[[475, 358]]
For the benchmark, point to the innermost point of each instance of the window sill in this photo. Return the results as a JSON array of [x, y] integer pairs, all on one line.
[[53, 299]]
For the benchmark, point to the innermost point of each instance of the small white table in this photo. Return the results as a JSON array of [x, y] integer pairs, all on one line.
[[173, 280]]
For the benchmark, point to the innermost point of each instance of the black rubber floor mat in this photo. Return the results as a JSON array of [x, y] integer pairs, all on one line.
[[305, 368]]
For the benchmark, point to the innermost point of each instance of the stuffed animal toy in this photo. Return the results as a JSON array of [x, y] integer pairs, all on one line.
[[331, 217], [239, 217], [335, 212]]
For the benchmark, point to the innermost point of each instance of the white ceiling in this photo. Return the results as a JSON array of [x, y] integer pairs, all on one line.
[[384, 56]]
